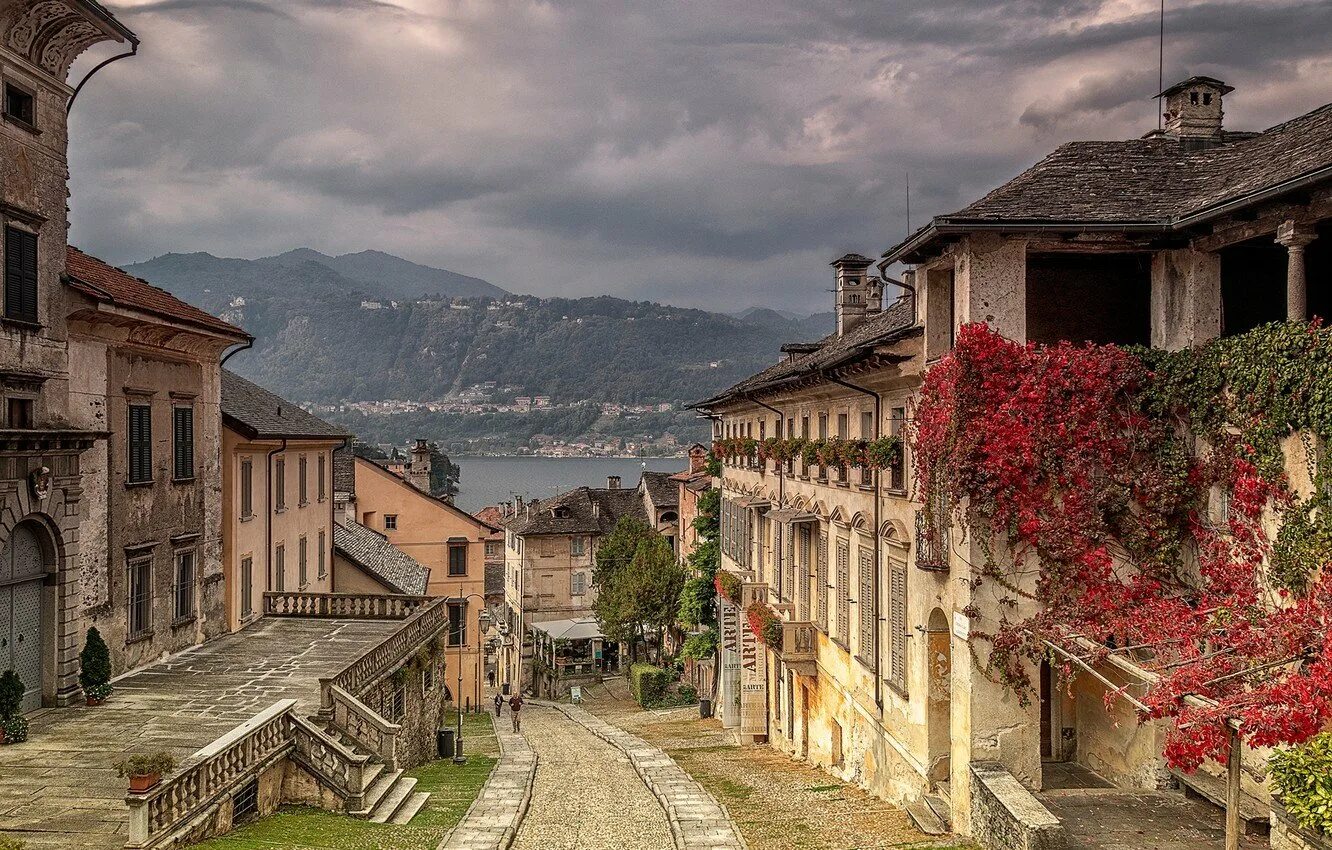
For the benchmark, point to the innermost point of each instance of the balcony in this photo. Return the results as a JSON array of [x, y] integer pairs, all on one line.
[[800, 647], [931, 545]]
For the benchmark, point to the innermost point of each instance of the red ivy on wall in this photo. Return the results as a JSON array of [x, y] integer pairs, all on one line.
[[1088, 496]]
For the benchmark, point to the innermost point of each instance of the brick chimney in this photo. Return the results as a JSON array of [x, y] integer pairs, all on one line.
[[613, 482], [1192, 110], [418, 473], [857, 296]]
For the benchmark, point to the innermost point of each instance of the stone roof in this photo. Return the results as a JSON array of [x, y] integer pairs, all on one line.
[[260, 414], [1153, 183], [828, 353], [494, 583], [105, 283], [572, 512], [661, 489], [372, 552]]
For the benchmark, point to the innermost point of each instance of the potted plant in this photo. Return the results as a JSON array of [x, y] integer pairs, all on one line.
[[145, 771], [13, 726], [95, 672]]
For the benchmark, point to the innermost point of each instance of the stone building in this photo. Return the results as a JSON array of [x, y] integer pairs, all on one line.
[[277, 504], [443, 538], [144, 369], [1186, 234], [41, 449], [550, 551], [690, 485]]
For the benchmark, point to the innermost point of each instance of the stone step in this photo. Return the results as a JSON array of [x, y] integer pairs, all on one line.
[[410, 808], [393, 800], [376, 792], [923, 816], [941, 806], [371, 772]]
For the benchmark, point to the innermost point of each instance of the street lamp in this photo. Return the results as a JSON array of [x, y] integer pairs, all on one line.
[[483, 619]]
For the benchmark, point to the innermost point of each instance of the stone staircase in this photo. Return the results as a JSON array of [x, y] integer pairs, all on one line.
[[390, 796], [932, 813]]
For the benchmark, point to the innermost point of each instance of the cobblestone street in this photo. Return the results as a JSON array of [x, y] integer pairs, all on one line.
[[587, 795]]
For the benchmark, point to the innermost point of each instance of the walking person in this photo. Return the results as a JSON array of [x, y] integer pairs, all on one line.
[[499, 705], [515, 706]]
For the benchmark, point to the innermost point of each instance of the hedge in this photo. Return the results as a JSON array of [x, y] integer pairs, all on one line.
[[648, 683]]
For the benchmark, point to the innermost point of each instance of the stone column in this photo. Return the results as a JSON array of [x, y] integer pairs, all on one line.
[[1186, 298], [1295, 235], [990, 280]]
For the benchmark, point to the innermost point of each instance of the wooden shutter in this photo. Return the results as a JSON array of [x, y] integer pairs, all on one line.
[[789, 566], [868, 606], [821, 582], [20, 275], [897, 589], [140, 443], [802, 576], [843, 591], [183, 439]]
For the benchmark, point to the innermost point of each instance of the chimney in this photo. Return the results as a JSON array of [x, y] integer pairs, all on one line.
[[1192, 111], [596, 510], [698, 458], [518, 505], [856, 295], [418, 472], [613, 482]]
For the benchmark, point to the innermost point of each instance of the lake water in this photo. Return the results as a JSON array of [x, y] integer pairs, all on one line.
[[490, 480]]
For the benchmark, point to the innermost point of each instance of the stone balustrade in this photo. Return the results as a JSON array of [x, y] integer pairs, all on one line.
[[365, 726], [336, 766], [800, 647], [209, 775], [391, 653], [356, 606]]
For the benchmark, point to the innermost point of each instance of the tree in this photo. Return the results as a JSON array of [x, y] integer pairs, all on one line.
[[638, 584]]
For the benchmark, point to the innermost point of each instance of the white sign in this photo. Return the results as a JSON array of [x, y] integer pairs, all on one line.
[[961, 625], [576, 693]]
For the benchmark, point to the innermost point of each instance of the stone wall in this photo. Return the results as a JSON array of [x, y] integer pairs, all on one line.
[[1005, 815], [424, 707], [1288, 835]]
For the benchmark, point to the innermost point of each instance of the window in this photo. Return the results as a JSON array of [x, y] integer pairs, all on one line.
[[397, 704], [19, 412], [20, 105], [457, 559], [897, 472], [457, 629], [577, 546], [390, 522], [247, 488], [323, 555], [140, 443], [867, 607], [492, 548], [578, 583], [427, 679], [843, 426], [280, 568], [843, 591], [182, 434], [183, 592], [20, 275], [801, 591], [140, 597], [323, 477], [280, 485], [821, 583], [303, 561], [303, 483], [867, 425], [897, 630], [247, 586]]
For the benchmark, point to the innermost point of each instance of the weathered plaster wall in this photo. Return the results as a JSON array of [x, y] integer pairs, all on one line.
[[991, 283], [1186, 298]]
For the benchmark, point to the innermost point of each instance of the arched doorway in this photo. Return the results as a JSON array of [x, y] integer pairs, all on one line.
[[939, 658], [24, 563]]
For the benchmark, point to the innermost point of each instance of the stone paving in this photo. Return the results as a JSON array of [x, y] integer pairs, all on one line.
[[491, 822], [60, 789], [696, 819], [1117, 819], [586, 796]]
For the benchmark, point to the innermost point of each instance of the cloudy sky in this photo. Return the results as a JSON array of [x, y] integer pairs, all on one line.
[[710, 153]]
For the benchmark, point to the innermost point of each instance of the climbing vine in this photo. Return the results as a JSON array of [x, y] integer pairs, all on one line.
[[1122, 500]]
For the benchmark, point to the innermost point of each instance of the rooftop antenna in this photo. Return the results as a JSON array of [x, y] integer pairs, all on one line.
[[1160, 68]]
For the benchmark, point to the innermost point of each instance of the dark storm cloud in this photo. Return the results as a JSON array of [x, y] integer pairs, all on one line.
[[714, 154]]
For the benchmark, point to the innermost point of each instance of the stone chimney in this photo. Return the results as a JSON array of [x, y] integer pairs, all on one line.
[[1192, 110], [518, 505], [698, 458], [418, 472], [596, 509], [856, 295], [613, 482]]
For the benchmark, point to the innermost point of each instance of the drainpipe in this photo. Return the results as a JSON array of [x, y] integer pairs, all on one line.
[[878, 654], [268, 516], [133, 51]]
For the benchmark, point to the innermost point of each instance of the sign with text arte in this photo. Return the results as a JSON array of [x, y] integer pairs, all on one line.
[[729, 617], [754, 672]]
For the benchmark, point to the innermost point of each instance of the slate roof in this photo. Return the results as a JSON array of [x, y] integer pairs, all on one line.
[[1155, 183], [494, 584], [107, 284], [344, 471], [372, 552], [828, 353], [571, 512], [661, 489], [260, 414]]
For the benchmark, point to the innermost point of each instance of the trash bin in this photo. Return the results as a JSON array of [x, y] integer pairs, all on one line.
[[705, 708], [444, 743], [505, 689]]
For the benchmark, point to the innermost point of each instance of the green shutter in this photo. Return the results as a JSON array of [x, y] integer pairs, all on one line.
[[20, 275], [183, 440], [140, 443]]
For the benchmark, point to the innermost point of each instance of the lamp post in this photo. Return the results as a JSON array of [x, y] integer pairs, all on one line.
[[482, 619]]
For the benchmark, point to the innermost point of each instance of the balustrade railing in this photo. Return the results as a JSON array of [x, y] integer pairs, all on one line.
[[335, 764], [799, 642], [388, 655], [365, 726], [357, 606]]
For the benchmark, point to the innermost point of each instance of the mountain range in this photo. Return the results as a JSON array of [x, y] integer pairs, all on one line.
[[370, 326]]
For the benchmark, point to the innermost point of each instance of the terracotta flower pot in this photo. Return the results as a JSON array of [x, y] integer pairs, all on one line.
[[2, 734], [93, 702], [139, 784]]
